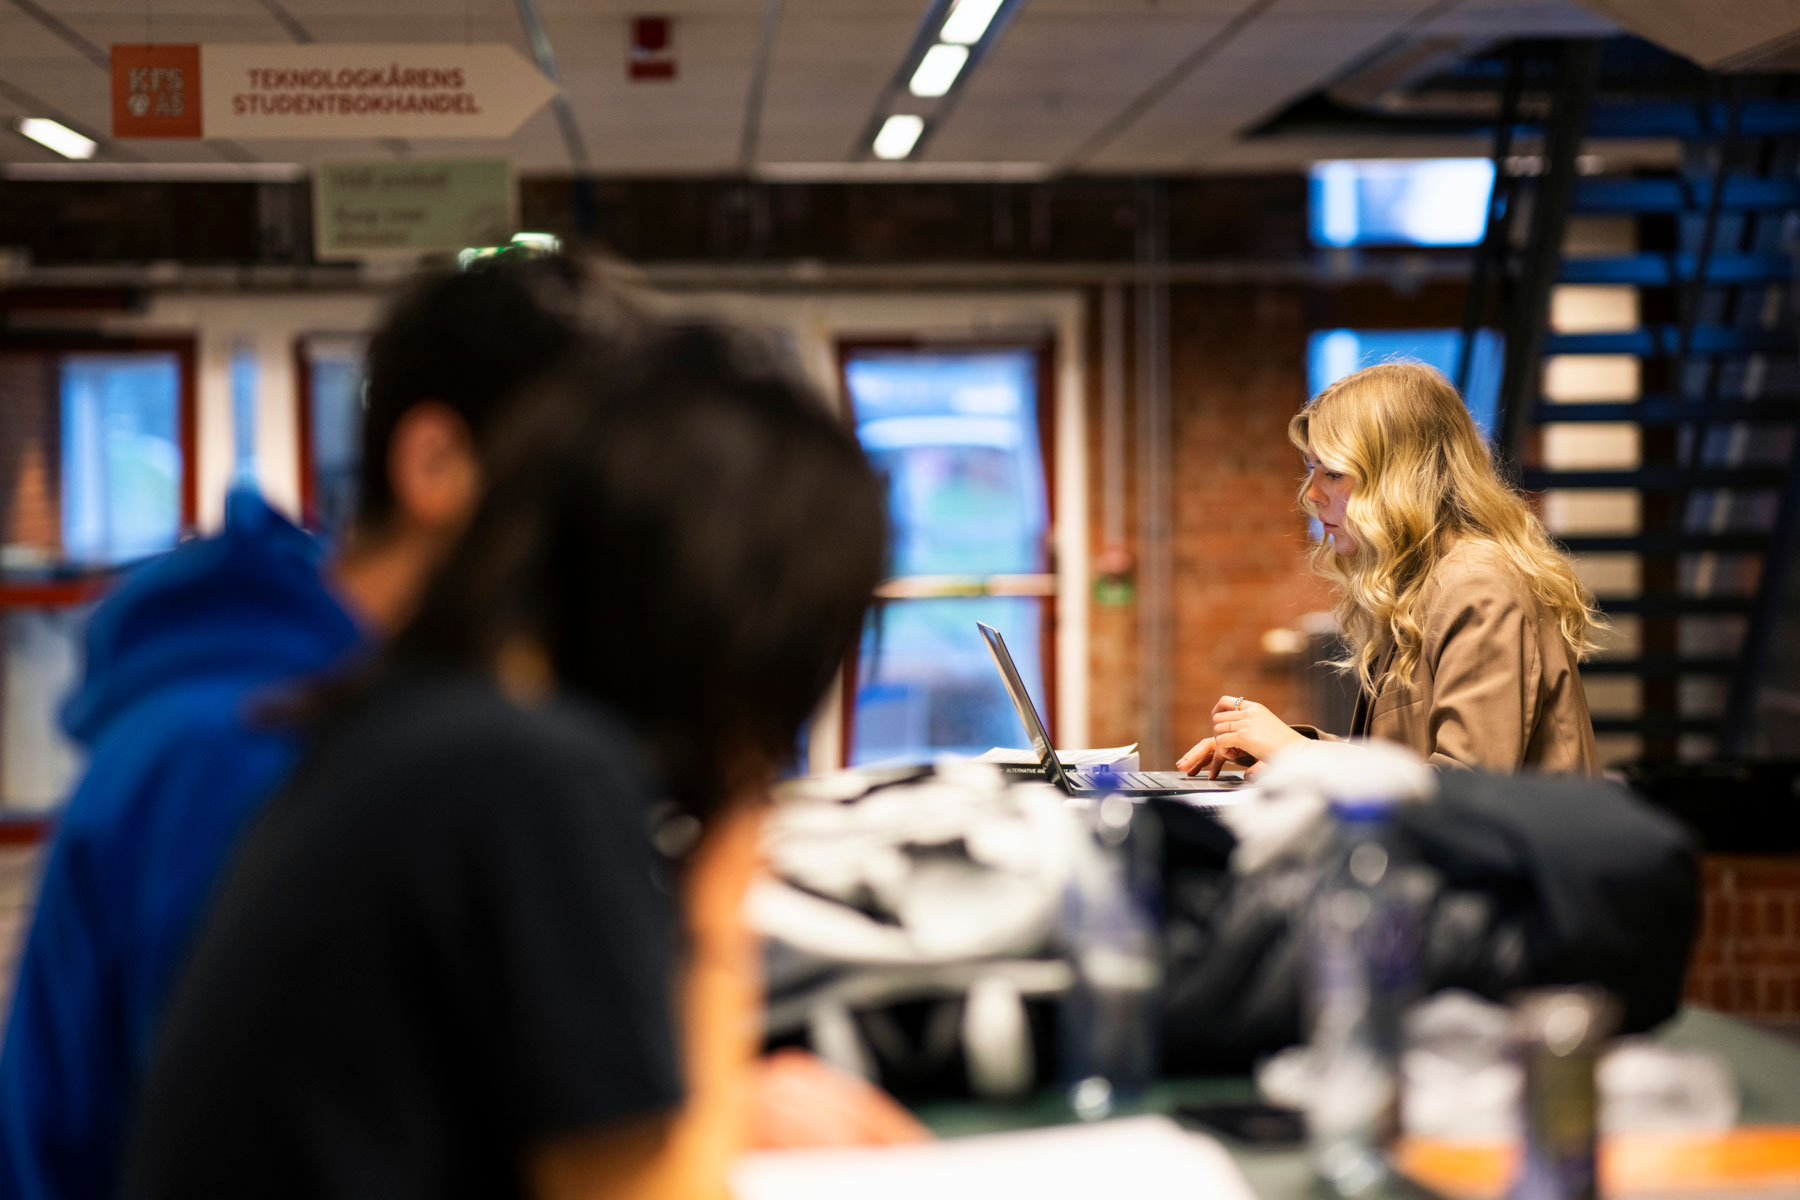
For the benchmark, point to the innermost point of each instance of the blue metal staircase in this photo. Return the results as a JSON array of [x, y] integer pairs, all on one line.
[[1718, 347]]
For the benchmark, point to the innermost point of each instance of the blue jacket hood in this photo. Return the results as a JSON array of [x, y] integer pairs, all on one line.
[[247, 605]]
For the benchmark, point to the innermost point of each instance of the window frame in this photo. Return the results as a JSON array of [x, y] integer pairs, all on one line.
[[1044, 586], [305, 451], [66, 588]]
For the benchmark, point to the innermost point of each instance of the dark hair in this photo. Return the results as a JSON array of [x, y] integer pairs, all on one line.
[[474, 341], [693, 538]]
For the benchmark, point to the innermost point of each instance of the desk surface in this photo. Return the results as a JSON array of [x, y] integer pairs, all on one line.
[[1767, 1068]]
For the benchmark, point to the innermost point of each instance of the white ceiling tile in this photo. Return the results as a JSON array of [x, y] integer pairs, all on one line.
[[23, 39], [1053, 81], [1320, 38], [1265, 65], [695, 119], [1522, 20], [1284, 10], [436, 20], [73, 86], [826, 73], [1062, 70], [72, 11], [1127, 9], [624, 10], [245, 25], [451, 27]]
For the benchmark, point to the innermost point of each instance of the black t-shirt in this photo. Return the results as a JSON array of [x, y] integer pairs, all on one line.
[[448, 940]]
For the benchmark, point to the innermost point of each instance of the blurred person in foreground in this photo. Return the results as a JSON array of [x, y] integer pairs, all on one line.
[[180, 659], [175, 662], [444, 961], [1466, 624]]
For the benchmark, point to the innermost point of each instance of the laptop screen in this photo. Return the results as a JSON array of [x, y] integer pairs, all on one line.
[[1021, 702]]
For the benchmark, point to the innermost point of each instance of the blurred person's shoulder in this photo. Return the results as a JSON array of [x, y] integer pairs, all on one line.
[[463, 718], [195, 736], [458, 743], [186, 633]]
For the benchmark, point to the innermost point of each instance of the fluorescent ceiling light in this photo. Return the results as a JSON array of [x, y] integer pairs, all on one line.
[[938, 70], [969, 20], [56, 136], [898, 134]]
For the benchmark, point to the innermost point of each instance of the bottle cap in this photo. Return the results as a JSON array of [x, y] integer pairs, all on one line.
[[1369, 808]]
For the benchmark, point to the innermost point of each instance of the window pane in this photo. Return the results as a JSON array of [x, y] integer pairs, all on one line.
[[337, 413], [1426, 202], [926, 685], [244, 372], [1335, 353], [41, 665], [957, 436], [121, 456]]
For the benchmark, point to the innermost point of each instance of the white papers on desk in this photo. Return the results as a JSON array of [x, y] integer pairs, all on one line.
[[1145, 1158], [1123, 758]]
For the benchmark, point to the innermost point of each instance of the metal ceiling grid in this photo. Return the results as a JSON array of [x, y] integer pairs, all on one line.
[[830, 61], [1082, 84], [1268, 63], [1054, 80]]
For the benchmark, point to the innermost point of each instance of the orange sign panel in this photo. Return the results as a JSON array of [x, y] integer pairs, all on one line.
[[156, 91]]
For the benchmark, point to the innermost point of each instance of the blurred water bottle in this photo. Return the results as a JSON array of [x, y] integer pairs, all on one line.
[[1561, 1032], [1107, 1026], [1363, 950]]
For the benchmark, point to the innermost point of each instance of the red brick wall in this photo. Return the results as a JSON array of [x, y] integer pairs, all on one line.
[[1237, 373], [1748, 959], [30, 452], [1115, 709]]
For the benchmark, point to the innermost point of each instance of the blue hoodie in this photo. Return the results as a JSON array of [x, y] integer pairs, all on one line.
[[176, 766]]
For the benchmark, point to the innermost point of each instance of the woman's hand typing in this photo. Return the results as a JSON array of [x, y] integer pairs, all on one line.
[[1244, 733]]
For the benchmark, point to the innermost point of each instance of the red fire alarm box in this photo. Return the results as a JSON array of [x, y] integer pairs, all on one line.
[[652, 49]]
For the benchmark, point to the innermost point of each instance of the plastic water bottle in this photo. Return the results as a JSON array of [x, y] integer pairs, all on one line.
[[1108, 1021], [1363, 943]]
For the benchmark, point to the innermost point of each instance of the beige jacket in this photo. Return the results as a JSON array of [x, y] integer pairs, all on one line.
[[1495, 687]]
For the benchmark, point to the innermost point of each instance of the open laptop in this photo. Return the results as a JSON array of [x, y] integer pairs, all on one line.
[[1077, 781]]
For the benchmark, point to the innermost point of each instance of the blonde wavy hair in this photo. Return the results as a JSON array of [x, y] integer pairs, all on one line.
[[1424, 480]]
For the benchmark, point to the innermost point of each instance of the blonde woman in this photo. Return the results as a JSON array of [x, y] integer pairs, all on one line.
[[1465, 624]]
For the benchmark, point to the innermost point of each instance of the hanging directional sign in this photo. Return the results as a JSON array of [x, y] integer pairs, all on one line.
[[326, 90], [389, 209]]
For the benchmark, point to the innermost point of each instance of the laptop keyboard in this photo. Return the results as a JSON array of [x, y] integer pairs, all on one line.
[[1146, 780]]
